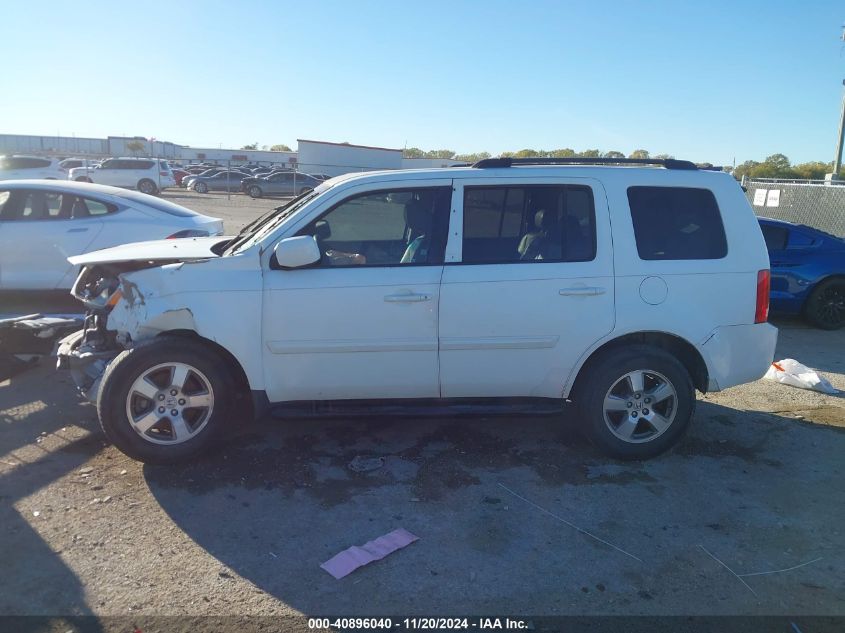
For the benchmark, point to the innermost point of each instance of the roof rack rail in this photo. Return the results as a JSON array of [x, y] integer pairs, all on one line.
[[668, 163]]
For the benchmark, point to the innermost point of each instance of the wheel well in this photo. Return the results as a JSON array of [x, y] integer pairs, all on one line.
[[834, 277], [681, 349], [238, 373]]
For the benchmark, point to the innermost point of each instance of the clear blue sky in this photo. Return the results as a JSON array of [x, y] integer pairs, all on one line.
[[705, 80]]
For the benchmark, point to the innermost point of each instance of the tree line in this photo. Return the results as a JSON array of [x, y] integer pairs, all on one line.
[[774, 166], [567, 152], [281, 147]]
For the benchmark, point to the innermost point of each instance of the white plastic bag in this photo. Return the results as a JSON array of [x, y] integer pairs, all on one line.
[[790, 372]]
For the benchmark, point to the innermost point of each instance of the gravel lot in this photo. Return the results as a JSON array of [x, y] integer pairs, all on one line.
[[236, 210], [756, 484]]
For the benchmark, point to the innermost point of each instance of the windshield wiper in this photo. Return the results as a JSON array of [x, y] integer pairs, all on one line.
[[278, 214]]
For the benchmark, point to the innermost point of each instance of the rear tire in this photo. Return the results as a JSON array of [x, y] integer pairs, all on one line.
[[255, 191], [148, 187], [636, 402], [142, 416], [825, 307]]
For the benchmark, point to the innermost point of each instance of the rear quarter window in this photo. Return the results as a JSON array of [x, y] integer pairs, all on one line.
[[673, 223]]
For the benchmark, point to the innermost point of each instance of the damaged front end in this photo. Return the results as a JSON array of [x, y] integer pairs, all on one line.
[[87, 352]]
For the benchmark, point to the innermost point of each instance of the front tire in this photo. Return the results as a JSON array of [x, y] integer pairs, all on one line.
[[165, 400], [825, 308], [637, 402], [148, 187], [255, 191], [201, 187]]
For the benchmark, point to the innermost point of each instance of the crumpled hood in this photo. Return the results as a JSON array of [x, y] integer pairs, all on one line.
[[183, 249]]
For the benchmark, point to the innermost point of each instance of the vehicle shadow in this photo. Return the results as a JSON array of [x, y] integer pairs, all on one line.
[[479, 493], [35, 581]]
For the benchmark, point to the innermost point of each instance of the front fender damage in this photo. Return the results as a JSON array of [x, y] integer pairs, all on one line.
[[141, 312]]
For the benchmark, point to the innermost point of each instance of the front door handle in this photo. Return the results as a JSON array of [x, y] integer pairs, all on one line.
[[582, 291], [409, 297]]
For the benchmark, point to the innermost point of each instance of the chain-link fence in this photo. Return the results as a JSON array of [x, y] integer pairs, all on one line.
[[813, 203], [258, 180]]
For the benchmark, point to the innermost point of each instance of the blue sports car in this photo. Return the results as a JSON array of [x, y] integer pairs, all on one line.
[[808, 272]]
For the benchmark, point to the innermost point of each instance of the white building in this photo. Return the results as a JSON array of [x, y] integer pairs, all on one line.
[[315, 157], [334, 159]]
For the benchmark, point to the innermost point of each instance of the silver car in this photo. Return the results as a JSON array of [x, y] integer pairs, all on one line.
[[282, 183]]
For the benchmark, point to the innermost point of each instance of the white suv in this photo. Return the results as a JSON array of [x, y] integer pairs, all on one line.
[[28, 167], [618, 289], [147, 175]]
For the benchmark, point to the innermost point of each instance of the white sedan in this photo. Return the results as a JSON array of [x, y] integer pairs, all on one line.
[[43, 222]]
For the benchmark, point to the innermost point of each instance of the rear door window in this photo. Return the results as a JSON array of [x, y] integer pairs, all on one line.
[[551, 223], [673, 223]]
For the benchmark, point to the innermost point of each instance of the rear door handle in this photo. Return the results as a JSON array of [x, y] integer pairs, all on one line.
[[581, 291], [409, 297]]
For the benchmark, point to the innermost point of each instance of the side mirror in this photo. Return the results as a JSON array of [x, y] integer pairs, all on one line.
[[296, 252]]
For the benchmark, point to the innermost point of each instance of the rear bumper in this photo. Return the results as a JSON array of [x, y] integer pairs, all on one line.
[[737, 354]]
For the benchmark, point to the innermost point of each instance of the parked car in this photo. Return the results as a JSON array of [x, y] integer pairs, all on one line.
[[178, 175], [147, 175], [281, 183], [18, 167], [71, 163], [321, 176], [188, 181], [42, 223], [808, 272], [222, 181], [197, 169], [620, 289]]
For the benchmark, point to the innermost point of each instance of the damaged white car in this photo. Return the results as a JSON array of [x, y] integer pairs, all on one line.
[[619, 288]]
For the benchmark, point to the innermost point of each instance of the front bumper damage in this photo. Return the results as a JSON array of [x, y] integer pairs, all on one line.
[[86, 354]]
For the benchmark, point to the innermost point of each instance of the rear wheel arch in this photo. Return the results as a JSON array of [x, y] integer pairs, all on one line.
[[807, 306], [678, 347]]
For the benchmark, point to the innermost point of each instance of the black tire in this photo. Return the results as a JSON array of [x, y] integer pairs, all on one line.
[[606, 372], [123, 371], [201, 187], [825, 308], [254, 191], [147, 186]]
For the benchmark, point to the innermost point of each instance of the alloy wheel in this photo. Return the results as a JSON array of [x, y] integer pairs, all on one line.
[[170, 403], [640, 406]]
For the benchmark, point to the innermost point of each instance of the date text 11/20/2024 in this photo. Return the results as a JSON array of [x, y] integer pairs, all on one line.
[[420, 623]]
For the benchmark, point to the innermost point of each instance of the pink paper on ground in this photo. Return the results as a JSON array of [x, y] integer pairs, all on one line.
[[351, 559]]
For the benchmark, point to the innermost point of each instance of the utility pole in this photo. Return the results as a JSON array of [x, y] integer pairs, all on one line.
[[837, 161]]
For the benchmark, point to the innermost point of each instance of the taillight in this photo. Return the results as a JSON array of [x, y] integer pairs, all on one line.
[[761, 315]]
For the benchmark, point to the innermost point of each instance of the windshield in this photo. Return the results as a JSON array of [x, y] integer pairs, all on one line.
[[263, 224]]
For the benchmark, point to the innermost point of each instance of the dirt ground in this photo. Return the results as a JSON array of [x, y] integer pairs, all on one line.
[[514, 514]]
